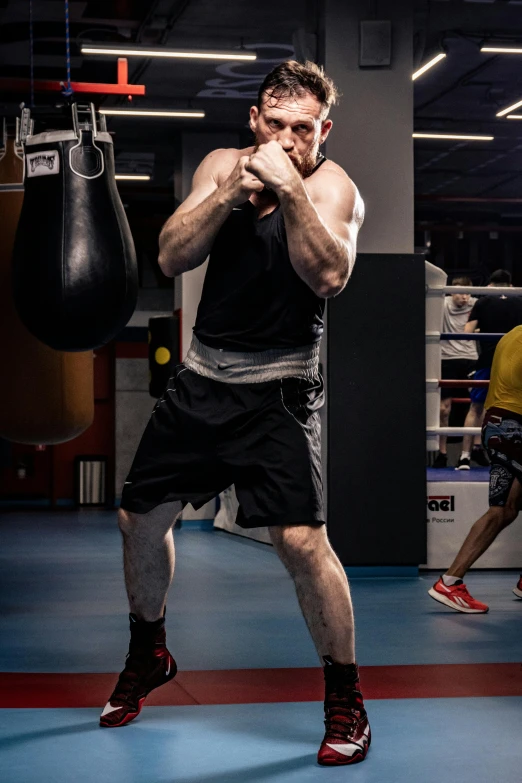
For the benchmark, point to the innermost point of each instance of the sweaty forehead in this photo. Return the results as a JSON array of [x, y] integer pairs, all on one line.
[[292, 109]]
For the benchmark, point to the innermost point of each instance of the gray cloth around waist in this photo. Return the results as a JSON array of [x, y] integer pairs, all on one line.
[[254, 366]]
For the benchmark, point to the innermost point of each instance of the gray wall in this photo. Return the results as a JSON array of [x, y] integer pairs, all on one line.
[[371, 136], [133, 408]]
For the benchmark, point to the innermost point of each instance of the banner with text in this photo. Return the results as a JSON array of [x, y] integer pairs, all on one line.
[[451, 510]]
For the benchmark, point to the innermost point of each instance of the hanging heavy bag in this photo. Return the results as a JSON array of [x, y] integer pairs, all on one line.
[[46, 396], [75, 278]]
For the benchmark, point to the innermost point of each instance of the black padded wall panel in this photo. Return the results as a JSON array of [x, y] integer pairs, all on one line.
[[376, 413]]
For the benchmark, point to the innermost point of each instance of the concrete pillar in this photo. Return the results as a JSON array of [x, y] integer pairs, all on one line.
[[373, 123], [376, 343]]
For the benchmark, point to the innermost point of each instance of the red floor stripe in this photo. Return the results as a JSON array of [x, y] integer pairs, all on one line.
[[250, 686]]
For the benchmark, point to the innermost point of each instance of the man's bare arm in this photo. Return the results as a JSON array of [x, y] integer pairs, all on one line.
[[321, 222], [187, 236], [322, 232], [471, 326]]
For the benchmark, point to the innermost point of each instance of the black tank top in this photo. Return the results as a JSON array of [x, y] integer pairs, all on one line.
[[253, 299]]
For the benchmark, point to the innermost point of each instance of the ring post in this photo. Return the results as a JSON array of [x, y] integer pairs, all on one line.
[[435, 281]]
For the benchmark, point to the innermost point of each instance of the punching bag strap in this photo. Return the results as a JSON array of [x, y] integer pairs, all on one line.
[[24, 127], [9, 150], [3, 140], [86, 159]]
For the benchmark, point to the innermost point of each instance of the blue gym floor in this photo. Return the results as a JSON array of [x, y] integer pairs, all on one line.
[[63, 610]]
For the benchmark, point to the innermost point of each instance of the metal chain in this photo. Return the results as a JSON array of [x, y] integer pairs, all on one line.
[[68, 90], [31, 52]]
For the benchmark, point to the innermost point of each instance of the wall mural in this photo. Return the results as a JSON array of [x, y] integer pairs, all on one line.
[[243, 79]]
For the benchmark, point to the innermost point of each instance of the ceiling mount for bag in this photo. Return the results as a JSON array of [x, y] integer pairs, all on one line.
[[24, 127], [84, 119]]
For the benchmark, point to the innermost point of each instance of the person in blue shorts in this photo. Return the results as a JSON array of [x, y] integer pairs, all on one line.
[[490, 314]]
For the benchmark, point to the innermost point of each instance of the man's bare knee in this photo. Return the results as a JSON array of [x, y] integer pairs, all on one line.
[[500, 517], [299, 546], [128, 522], [155, 523], [510, 514], [445, 406]]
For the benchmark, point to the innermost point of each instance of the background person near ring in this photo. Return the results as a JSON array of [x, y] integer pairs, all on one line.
[[458, 356], [502, 437], [280, 223], [489, 314]]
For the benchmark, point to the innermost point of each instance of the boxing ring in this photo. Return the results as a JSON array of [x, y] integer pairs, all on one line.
[[456, 499]]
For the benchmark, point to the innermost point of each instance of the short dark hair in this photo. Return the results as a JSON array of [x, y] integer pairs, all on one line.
[[462, 281], [501, 277], [295, 79]]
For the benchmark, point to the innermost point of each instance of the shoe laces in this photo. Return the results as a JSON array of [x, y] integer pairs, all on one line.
[[129, 678], [341, 719], [462, 590]]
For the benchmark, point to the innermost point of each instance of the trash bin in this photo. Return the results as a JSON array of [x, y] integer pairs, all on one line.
[[90, 473]]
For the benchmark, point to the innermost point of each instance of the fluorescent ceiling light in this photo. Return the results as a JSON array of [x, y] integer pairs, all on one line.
[[428, 65], [501, 49], [509, 108], [140, 177], [152, 113], [169, 53], [451, 136], [514, 117]]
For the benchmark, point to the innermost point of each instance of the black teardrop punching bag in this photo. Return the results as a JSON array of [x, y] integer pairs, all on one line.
[[75, 280]]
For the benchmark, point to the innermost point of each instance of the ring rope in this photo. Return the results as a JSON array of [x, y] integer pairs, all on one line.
[[448, 383], [483, 290], [471, 335], [453, 430]]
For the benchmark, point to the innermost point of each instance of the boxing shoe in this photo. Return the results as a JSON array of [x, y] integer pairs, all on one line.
[[479, 457], [440, 461], [518, 589], [347, 736], [457, 597], [148, 665]]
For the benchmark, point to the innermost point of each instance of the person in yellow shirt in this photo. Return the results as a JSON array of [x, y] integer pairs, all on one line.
[[502, 438]]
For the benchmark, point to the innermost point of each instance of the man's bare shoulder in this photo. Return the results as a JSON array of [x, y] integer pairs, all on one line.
[[221, 162], [331, 174], [331, 184]]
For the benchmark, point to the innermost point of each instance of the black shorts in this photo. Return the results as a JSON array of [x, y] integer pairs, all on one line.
[[502, 437], [458, 370], [205, 435]]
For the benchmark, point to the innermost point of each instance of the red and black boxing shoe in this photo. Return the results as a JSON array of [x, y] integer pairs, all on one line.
[[148, 665], [348, 736]]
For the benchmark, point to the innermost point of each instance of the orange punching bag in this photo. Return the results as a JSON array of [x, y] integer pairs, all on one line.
[[46, 396]]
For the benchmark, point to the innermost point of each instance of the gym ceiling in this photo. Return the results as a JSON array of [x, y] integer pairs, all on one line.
[[461, 94]]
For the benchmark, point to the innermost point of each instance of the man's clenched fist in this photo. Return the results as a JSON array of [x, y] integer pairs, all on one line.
[[272, 165]]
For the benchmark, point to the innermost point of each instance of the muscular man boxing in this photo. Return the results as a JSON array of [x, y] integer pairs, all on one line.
[[280, 223]]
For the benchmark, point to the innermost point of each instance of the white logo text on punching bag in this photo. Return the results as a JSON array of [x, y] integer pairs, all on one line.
[[40, 164]]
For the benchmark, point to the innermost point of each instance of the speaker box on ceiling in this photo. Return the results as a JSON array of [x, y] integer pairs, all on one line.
[[375, 44]]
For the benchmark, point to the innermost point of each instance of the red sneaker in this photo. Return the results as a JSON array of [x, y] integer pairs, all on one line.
[[348, 734], [518, 589], [457, 597], [148, 665]]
